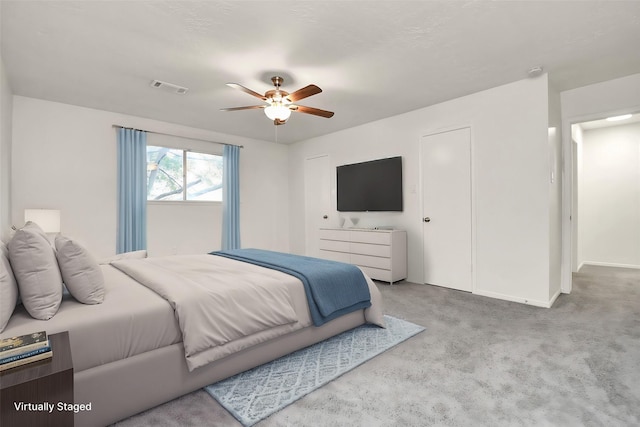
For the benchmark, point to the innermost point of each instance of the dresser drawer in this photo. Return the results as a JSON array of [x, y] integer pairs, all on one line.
[[381, 253], [371, 261], [336, 256], [329, 234], [334, 245], [369, 249], [377, 274], [371, 237]]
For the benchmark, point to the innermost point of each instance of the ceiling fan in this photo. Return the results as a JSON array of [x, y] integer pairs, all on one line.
[[279, 103]]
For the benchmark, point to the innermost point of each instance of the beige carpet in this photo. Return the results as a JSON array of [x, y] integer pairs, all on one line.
[[481, 362]]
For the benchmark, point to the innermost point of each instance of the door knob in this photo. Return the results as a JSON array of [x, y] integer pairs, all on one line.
[[426, 219]]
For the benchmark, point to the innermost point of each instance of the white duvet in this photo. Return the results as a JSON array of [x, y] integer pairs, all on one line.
[[223, 306]]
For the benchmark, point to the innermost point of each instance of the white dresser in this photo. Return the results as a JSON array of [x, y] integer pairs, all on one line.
[[382, 254]]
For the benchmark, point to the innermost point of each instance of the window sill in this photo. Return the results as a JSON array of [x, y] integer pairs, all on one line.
[[183, 202]]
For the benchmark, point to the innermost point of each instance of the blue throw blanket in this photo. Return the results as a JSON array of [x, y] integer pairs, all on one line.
[[332, 288]]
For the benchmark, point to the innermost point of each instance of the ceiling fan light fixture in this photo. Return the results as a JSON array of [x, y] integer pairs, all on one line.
[[277, 111]]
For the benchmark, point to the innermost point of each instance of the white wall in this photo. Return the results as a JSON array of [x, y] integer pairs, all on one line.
[[6, 113], [590, 102], [510, 155], [586, 103], [609, 197], [64, 157]]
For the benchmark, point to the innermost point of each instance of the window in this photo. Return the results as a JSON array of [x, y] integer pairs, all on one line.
[[174, 174]]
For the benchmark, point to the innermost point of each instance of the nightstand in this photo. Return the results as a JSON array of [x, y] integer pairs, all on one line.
[[46, 381]]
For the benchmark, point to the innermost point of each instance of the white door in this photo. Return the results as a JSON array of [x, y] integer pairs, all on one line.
[[317, 201], [446, 187]]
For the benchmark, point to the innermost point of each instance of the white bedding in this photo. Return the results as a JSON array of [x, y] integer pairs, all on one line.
[[132, 320], [224, 306], [217, 304]]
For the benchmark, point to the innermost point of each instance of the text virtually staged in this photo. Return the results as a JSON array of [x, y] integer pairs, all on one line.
[[50, 407]]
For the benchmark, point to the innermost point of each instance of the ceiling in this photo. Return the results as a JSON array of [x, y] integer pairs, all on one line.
[[373, 59]]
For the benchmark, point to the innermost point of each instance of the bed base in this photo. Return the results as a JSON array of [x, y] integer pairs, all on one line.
[[126, 387]]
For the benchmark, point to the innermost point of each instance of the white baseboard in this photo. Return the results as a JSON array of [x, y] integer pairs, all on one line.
[[608, 264], [554, 297], [536, 303]]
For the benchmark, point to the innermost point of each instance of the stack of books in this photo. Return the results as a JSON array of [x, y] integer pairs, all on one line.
[[18, 351]]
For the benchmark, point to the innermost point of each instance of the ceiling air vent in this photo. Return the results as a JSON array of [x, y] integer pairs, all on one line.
[[169, 87]]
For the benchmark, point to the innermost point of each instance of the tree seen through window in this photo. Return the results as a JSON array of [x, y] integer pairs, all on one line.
[[168, 169]]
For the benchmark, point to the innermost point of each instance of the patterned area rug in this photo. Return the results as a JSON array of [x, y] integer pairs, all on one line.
[[255, 394]]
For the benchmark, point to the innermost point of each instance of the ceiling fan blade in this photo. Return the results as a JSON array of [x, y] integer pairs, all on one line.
[[314, 111], [246, 90], [304, 93], [252, 107]]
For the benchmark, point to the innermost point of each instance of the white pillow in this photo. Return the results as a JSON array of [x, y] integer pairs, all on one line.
[[8, 288], [36, 270], [80, 272]]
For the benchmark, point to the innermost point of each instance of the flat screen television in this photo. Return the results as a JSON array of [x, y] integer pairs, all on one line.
[[370, 186]]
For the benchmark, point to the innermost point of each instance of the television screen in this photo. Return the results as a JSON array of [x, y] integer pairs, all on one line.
[[370, 186]]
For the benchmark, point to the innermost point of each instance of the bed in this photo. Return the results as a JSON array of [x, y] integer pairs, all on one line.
[[129, 351]]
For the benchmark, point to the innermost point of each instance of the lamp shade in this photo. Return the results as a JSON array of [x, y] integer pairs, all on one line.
[[47, 219], [279, 112]]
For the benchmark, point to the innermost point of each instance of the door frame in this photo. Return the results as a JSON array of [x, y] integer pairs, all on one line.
[[329, 189], [436, 131], [568, 230]]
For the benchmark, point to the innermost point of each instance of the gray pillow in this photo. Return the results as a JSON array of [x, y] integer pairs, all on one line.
[[8, 288], [80, 272], [35, 228], [36, 270]]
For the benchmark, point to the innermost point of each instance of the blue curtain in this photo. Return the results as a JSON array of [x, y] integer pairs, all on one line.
[[132, 191], [231, 197]]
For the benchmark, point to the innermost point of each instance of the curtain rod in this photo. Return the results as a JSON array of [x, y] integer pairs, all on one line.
[[177, 136]]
